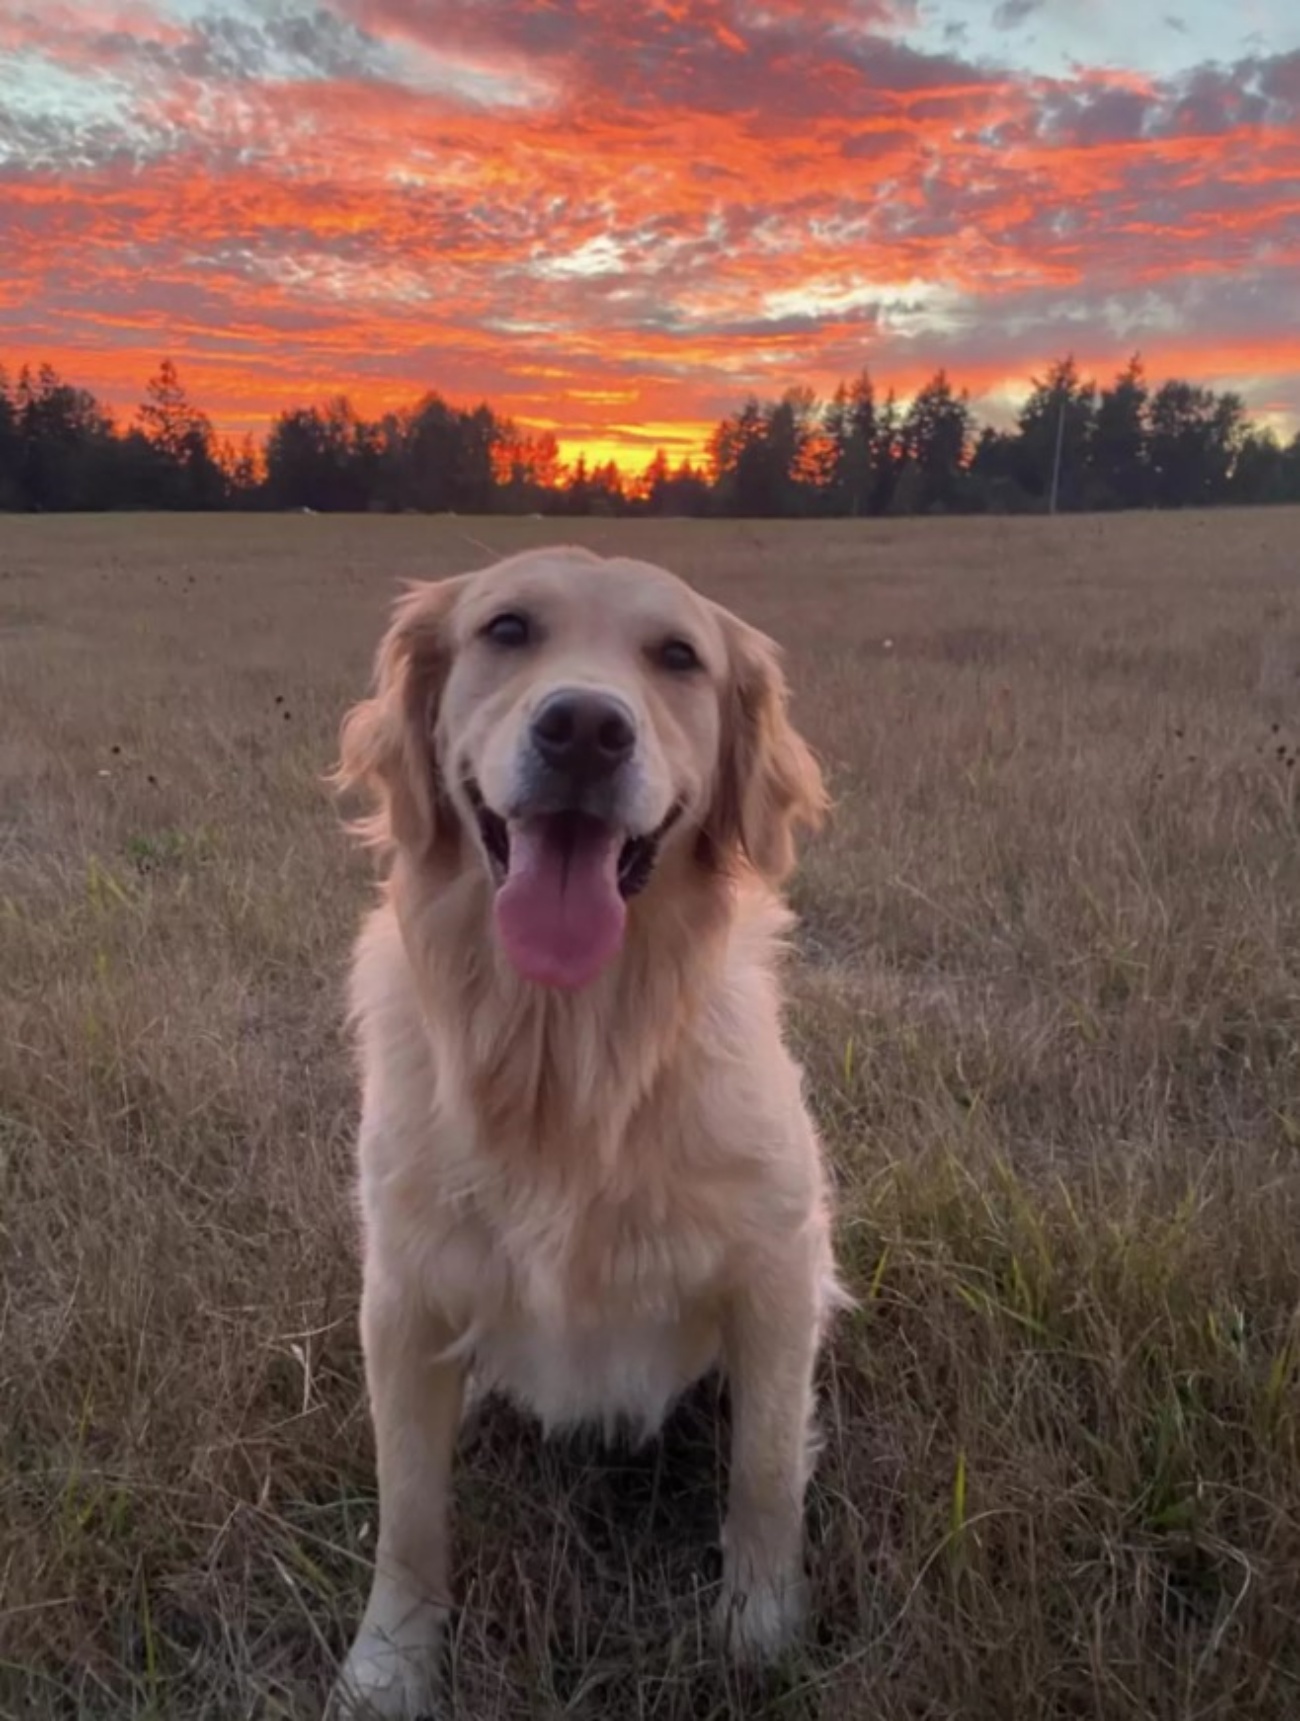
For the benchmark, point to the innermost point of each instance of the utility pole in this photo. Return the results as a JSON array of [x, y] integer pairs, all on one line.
[[1056, 462]]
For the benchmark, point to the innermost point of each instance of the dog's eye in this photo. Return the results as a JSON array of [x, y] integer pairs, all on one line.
[[679, 656], [509, 629]]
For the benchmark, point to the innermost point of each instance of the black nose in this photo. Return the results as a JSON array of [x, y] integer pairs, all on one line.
[[586, 735]]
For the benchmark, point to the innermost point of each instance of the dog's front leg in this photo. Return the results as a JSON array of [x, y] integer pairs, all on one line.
[[416, 1393], [770, 1343]]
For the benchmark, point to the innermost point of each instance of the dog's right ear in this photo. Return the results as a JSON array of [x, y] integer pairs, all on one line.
[[386, 745]]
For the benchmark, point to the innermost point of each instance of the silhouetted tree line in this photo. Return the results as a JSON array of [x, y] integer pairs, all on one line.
[[1074, 446]]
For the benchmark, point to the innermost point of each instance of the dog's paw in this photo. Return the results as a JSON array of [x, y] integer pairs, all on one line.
[[759, 1619], [384, 1680]]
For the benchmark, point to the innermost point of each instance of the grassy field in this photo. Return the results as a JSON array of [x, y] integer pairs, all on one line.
[[1048, 992]]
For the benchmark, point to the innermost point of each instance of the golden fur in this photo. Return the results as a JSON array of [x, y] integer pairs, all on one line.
[[585, 1199]]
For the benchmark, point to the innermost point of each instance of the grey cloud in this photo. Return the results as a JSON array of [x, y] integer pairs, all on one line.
[[751, 328], [1206, 101], [634, 52], [867, 146], [1279, 82], [1033, 325], [304, 44], [1098, 116], [1012, 13], [55, 143]]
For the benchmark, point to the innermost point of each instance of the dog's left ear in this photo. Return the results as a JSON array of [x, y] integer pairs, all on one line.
[[769, 784]]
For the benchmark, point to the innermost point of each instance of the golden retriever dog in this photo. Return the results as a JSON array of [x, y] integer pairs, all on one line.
[[587, 1173]]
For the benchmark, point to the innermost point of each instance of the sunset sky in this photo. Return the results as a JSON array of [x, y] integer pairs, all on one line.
[[616, 218]]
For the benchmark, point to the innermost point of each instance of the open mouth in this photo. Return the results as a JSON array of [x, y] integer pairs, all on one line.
[[568, 833]]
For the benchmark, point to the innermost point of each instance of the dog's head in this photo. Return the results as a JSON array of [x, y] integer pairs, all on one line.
[[572, 725]]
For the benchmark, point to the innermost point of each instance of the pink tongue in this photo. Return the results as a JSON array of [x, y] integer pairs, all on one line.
[[559, 913]]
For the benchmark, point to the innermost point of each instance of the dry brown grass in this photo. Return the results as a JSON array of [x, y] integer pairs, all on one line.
[[1049, 994]]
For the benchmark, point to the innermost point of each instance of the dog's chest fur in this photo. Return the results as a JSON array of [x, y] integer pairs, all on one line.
[[597, 1306]]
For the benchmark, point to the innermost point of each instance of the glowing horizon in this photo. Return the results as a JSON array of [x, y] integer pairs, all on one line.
[[616, 222]]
